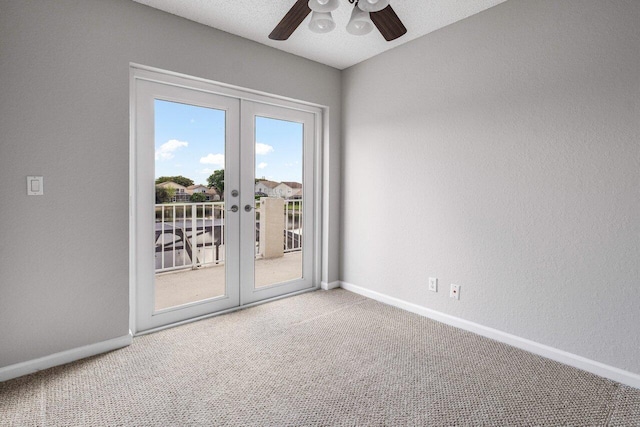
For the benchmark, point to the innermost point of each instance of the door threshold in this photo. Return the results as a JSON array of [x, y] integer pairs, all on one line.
[[218, 313]]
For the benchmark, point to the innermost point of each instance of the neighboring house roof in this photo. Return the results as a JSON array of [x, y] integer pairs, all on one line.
[[212, 191], [268, 183], [171, 184], [197, 188], [292, 184], [283, 186]]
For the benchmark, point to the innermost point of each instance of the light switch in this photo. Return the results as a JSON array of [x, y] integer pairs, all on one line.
[[34, 186]]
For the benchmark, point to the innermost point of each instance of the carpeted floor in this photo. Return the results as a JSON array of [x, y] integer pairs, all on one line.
[[321, 358]]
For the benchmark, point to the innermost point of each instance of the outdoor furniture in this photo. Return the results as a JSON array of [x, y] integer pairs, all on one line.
[[183, 236]]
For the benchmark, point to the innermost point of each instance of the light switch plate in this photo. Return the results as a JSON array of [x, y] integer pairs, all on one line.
[[433, 284], [34, 186]]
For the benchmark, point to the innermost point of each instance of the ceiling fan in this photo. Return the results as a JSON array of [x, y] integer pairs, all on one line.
[[366, 14]]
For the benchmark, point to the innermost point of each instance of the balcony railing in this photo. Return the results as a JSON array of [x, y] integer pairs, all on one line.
[[293, 225], [191, 235], [188, 235]]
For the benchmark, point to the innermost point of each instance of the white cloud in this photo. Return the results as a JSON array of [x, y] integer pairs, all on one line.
[[213, 159], [166, 150], [262, 165], [262, 149], [205, 171]]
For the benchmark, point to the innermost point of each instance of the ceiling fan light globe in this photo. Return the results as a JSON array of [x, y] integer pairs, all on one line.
[[360, 23], [323, 5], [372, 5], [321, 22]]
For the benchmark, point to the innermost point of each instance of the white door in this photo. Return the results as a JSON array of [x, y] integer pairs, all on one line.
[[186, 252], [204, 239], [277, 231]]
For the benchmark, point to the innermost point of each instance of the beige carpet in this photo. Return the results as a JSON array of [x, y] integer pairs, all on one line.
[[322, 358]]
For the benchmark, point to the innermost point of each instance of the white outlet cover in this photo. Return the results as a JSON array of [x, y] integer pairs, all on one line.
[[433, 284], [455, 291]]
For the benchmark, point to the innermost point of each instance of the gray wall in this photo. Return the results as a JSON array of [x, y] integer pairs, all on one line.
[[502, 153], [64, 114]]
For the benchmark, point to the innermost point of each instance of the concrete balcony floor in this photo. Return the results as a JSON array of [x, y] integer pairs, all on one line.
[[185, 286]]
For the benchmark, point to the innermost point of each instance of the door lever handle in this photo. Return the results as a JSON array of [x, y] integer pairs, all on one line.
[[234, 208], [248, 208]]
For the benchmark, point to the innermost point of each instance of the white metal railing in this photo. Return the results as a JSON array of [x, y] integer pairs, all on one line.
[[188, 235], [293, 225], [191, 235]]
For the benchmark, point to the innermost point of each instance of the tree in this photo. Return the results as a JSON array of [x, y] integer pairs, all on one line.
[[164, 194], [216, 180], [198, 197], [182, 180]]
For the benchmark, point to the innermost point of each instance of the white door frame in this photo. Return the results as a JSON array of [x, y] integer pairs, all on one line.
[[140, 73]]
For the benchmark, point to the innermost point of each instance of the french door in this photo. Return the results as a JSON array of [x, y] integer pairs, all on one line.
[[223, 199]]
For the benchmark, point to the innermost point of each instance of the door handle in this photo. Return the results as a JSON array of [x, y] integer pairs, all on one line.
[[234, 208], [248, 208]]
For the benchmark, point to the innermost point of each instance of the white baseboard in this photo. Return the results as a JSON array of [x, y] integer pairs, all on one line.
[[625, 377], [328, 286], [67, 356]]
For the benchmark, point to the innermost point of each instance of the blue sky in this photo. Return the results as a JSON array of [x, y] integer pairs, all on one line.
[[189, 141]]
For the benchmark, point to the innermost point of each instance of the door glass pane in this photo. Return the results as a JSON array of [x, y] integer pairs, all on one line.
[[189, 211], [279, 200]]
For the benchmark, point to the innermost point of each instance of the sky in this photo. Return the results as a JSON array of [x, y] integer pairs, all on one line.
[[189, 141]]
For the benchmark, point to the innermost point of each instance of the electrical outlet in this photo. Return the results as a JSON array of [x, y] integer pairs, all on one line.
[[455, 291], [433, 284]]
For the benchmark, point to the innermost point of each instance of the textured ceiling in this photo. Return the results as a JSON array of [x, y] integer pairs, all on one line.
[[254, 20]]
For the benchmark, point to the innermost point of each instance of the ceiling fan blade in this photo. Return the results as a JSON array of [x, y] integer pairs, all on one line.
[[291, 20], [388, 23]]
